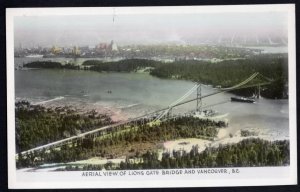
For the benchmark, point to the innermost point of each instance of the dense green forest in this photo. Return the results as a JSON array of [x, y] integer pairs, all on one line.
[[251, 152], [127, 140], [128, 65], [50, 65], [247, 153], [37, 125], [231, 72]]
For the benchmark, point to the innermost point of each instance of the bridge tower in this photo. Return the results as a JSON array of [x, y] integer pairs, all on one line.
[[258, 94], [169, 114], [199, 99]]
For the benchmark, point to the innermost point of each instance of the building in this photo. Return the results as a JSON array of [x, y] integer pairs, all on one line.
[[56, 50], [113, 46], [75, 50]]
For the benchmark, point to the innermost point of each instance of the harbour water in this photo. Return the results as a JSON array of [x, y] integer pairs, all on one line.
[[133, 94]]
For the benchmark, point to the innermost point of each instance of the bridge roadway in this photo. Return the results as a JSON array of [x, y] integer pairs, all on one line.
[[66, 140], [148, 116]]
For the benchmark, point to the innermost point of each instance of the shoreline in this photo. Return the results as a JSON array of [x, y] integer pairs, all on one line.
[[229, 134], [224, 137], [81, 106], [155, 72]]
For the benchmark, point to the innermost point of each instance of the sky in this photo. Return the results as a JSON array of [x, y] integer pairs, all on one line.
[[144, 28]]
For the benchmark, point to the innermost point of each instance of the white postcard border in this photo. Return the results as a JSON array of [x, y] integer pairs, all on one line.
[[37, 180]]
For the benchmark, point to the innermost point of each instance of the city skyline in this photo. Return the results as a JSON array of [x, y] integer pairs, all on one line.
[[147, 29]]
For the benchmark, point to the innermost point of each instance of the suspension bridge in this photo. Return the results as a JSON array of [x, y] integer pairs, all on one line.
[[162, 114]]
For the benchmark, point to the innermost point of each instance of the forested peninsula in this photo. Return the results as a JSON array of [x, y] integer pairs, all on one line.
[[36, 125], [225, 73]]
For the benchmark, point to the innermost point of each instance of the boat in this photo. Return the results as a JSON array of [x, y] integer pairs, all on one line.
[[243, 99]]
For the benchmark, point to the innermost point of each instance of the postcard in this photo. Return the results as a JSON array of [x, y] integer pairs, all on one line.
[[135, 97]]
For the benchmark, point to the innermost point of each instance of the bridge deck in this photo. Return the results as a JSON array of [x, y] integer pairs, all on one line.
[[149, 115]]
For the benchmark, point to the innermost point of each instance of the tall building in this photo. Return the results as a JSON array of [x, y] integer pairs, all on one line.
[[113, 46], [75, 50]]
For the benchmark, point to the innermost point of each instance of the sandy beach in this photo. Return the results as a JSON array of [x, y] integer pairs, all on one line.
[[225, 136], [82, 106]]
